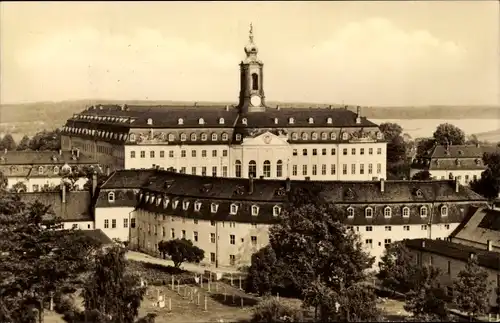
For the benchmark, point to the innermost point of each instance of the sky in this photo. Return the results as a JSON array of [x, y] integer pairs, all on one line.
[[361, 53]]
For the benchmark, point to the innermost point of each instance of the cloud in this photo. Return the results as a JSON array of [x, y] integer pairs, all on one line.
[[370, 62]]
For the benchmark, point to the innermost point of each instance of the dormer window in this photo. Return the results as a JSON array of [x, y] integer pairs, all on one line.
[[406, 212], [180, 121], [324, 136], [478, 161], [174, 204], [314, 136], [310, 120], [295, 136], [171, 137], [457, 162], [204, 137], [214, 137], [146, 199], [201, 121], [185, 205], [238, 137], [333, 136], [368, 212], [193, 137], [150, 121], [379, 135], [214, 207], [305, 136], [111, 197], [419, 193], [387, 212], [183, 137], [221, 120], [255, 210], [158, 200], [291, 120], [275, 120], [350, 212], [197, 206], [40, 170], [244, 121], [225, 136], [345, 136], [329, 120], [152, 199], [56, 170], [423, 211], [165, 202], [233, 209], [444, 210], [276, 210]]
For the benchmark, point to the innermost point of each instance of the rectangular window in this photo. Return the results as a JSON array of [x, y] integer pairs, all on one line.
[[183, 234], [203, 171], [125, 223], [449, 267], [388, 228], [369, 228], [315, 151], [332, 169], [254, 240], [344, 151], [183, 153], [361, 169], [379, 168], [212, 257], [361, 151], [315, 169], [183, 170], [304, 152], [323, 169], [224, 171], [353, 151], [370, 168], [75, 226], [172, 233], [212, 223], [447, 226], [424, 227], [171, 153], [232, 260], [132, 154], [369, 243], [193, 153], [294, 170], [353, 169], [162, 153], [344, 169], [195, 235], [304, 170], [379, 151], [334, 151], [152, 154], [143, 154], [163, 231], [106, 224], [294, 152], [214, 170], [370, 151], [36, 188], [232, 239], [203, 153], [193, 170], [224, 153], [406, 228], [214, 153], [387, 242], [323, 151], [132, 223]]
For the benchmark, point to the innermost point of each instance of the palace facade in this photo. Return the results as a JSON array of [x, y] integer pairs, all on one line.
[[250, 138]]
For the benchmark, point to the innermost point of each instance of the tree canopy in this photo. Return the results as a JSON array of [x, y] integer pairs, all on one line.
[[24, 144], [488, 184], [7, 142], [396, 146], [181, 250], [422, 176], [46, 140], [448, 134]]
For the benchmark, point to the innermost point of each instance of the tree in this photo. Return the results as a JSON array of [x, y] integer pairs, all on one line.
[[488, 184], [112, 292], [396, 146], [7, 142], [19, 187], [471, 290], [391, 130], [423, 175], [448, 134], [271, 310], [425, 145], [46, 140], [37, 258], [427, 301], [24, 144], [3, 182], [397, 268], [181, 250]]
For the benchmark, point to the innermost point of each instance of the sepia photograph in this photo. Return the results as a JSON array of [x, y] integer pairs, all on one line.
[[249, 162]]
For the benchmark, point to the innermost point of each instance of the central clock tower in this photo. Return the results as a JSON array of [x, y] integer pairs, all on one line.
[[252, 97]]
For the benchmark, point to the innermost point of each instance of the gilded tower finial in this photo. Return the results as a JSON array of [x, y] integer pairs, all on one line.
[[250, 34]]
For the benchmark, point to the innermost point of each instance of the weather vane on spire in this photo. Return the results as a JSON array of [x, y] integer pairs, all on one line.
[[250, 35]]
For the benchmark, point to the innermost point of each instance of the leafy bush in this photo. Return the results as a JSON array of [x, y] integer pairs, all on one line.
[[271, 310]]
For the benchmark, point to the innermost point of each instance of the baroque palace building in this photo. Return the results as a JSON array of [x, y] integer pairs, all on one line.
[[247, 139], [229, 218]]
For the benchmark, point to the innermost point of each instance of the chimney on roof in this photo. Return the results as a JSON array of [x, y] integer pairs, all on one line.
[[63, 192], [94, 183], [382, 185], [288, 184], [489, 245], [278, 107], [358, 115], [108, 170], [250, 184], [472, 255], [457, 185], [60, 152], [227, 107], [423, 243]]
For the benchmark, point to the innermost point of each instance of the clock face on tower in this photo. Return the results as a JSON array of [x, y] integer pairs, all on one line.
[[255, 100]]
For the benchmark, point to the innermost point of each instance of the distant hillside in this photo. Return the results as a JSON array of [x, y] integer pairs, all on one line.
[[31, 117]]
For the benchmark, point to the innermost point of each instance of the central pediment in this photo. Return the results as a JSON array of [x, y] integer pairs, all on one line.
[[266, 139]]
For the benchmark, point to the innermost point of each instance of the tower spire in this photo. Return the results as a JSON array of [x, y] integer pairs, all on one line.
[[250, 33]]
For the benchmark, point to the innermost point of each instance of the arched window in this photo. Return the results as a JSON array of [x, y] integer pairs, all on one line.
[[171, 137], [214, 137], [295, 136], [201, 121], [193, 137], [329, 120], [345, 136], [183, 137], [40, 170], [310, 120], [406, 212], [279, 168], [276, 210], [324, 136], [214, 207], [291, 120], [204, 137], [252, 168], [233, 209], [111, 197], [221, 121], [423, 211], [255, 210], [237, 168], [56, 170], [444, 210], [180, 121], [333, 136], [238, 137], [314, 136], [350, 212], [244, 121], [305, 136], [150, 121], [255, 81], [369, 212], [225, 136], [267, 168], [387, 212]]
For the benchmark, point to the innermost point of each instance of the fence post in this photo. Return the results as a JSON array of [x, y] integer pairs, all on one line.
[[241, 301], [216, 286], [201, 281], [170, 304], [231, 277], [225, 295], [278, 297], [198, 299], [208, 284], [173, 282], [233, 298], [205, 303]]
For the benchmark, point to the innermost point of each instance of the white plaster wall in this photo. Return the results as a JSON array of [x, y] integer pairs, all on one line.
[[118, 214]]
